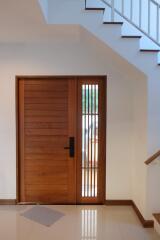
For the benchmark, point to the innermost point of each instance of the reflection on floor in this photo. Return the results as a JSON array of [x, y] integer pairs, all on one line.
[[78, 223], [89, 224]]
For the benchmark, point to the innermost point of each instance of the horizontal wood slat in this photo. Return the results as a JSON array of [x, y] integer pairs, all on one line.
[[45, 125], [56, 113], [49, 100], [46, 132], [50, 87], [41, 94], [43, 81], [61, 142], [46, 150], [41, 197], [45, 119], [43, 156], [40, 163], [45, 107]]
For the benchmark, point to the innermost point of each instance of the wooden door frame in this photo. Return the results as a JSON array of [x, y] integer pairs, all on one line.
[[17, 79], [102, 81]]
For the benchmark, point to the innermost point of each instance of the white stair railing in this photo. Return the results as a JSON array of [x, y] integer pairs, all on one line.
[[147, 13]]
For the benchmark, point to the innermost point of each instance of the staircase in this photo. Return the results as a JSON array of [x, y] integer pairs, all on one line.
[[127, 39], [118, 19], [92, 16]]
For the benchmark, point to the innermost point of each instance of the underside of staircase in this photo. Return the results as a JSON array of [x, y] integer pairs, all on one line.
[[102, 8]]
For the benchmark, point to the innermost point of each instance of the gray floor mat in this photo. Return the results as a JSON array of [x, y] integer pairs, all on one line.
[[43, 215]]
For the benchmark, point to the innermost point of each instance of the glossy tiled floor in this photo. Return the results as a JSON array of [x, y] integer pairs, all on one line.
[[78, 223]]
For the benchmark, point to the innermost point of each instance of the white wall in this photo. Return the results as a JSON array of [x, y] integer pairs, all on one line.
[[71, 56], [146, 135], [153, 193], [153, 170], [139, 143]]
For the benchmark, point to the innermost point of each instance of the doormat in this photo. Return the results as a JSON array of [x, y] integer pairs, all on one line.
[[43, 215]]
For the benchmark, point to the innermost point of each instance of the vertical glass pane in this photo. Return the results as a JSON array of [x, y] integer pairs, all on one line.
[[90, 114]]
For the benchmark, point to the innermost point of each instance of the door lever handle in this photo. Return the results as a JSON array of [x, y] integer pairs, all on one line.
[[71, 147]]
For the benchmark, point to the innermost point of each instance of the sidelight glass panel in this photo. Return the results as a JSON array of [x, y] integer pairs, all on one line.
[[90, 113]]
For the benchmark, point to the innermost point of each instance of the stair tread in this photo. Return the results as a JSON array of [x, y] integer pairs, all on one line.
[[113, 23], [95, 8], [157, 217], [130, 36], [149, 50]]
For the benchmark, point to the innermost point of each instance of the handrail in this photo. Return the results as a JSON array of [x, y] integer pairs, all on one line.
[[148, 33], [152, 158]]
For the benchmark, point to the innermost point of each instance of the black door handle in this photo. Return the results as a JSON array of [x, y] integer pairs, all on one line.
[[71, 147]]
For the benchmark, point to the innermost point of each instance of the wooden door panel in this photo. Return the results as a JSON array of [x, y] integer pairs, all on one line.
[[46, 123]]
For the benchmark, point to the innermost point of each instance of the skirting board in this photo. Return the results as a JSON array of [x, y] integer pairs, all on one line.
[[7, 201], [118, 202], [145, 223]]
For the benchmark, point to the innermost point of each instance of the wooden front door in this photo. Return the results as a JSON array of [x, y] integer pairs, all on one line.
[[52, 164]]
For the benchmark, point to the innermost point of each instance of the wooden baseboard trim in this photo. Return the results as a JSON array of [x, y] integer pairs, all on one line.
[[145, 223], [7, 201], [118, 202]]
